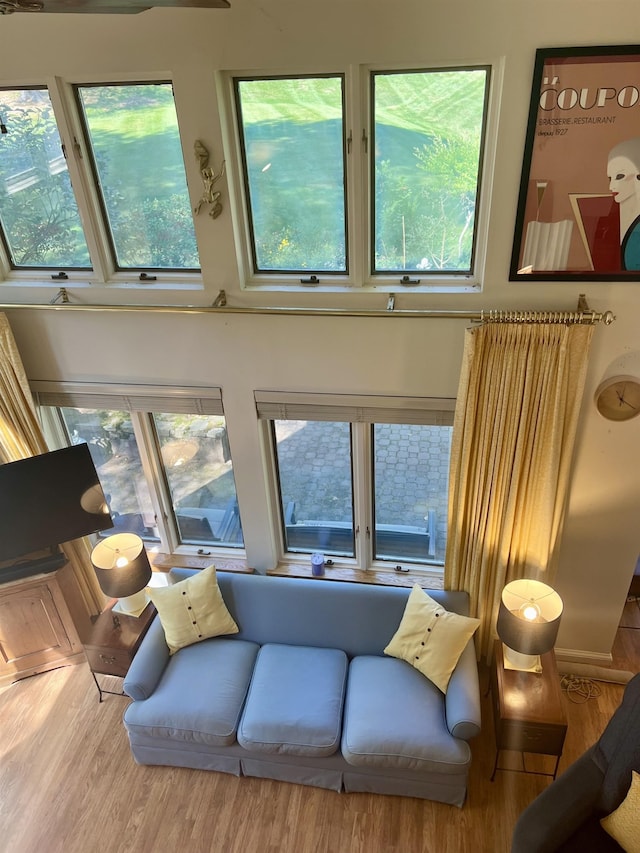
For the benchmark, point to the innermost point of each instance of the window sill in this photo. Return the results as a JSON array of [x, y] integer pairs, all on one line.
[[335, 573], [445, 284], [166, 562]]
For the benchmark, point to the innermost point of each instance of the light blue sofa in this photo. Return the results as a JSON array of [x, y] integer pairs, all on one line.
[[304, 693]]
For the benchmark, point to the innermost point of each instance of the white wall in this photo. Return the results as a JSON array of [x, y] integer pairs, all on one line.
[[390, 355]]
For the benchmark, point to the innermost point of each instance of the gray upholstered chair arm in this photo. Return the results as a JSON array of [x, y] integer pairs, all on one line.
[[148, 664], [560, 810], [462, 702]]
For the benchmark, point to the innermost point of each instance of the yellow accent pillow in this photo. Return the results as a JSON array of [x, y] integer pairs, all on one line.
[[623, 825], [431, 638], [192, 610]]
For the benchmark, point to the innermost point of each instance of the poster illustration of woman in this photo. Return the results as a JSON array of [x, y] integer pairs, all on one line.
[[579, 206]]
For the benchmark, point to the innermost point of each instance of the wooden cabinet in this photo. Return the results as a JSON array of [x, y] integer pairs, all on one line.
[[36, 629]]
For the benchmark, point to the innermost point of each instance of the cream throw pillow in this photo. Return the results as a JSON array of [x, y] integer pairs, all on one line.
[[623, 825], [431, 638], [192, 610]]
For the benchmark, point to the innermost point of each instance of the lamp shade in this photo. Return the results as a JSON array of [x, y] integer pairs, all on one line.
[[121, 565], [529, 616]]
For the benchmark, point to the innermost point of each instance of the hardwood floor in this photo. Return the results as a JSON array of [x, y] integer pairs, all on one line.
[[626, 648], [68, 784]]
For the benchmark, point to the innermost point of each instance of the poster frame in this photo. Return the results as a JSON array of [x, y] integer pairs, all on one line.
[[591, 57]]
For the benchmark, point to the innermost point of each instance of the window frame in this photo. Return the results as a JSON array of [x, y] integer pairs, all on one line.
[[78, 154], [361, 412], [246, 190], [451, 274], [27, 270], [140, 401], [100, 206], [358, 167]]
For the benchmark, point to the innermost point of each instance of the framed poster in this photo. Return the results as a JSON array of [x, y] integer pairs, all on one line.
[[578, 216]]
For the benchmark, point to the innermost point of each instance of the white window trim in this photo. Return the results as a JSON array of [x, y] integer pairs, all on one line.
[[360, 411], [354, 408], [137, 398]]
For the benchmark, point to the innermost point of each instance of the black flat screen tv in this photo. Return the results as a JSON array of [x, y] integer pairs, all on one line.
[[46, 500]]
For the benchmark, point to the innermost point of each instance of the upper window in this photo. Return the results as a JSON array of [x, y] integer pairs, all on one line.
[[113, 198], [427, 137], [38, 212], [343, 188], [292, 146], [137, 162]]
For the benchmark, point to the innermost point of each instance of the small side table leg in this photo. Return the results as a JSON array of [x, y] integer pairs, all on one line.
[[495, 765], [102, 691], [97, 685]]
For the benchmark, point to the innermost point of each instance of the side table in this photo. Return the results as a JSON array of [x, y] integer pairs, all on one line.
[[113, 641], [528, 714]]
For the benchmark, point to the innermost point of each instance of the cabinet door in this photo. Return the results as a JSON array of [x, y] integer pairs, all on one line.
[[32, 633]]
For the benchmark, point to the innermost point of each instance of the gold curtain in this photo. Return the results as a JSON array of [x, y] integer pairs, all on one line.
[[21, 436], [519, 398]]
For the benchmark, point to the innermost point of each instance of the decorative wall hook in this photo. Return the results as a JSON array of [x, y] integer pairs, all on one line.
[[209, 178]]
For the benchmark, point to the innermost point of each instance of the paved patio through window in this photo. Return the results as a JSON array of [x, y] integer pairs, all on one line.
[[314, 456]]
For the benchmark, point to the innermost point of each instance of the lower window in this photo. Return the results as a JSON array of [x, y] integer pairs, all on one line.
[[316, 492], [411, 484], [114, 450], [191, 500], [373, 492], [194, 450]]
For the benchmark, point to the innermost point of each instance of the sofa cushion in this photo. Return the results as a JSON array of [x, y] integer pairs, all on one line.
[[192, 610], [358, 618], [430, 637], [295, 700], [395, 718], [200, 696], [623, 824]]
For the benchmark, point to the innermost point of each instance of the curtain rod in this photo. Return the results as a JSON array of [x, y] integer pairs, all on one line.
[[582, 315]]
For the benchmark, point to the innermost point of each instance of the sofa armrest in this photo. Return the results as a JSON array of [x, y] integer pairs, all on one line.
[[148, 664], [462, 701], [560, 809]]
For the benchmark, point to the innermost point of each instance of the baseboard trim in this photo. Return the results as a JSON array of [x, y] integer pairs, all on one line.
[[580, 656]]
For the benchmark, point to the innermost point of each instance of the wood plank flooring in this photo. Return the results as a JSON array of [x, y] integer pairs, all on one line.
[[68, 784]]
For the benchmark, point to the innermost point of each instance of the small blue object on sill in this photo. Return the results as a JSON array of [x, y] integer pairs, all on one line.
[[317, 565]]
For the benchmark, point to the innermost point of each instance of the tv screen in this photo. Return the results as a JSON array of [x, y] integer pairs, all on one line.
[[49, 499]]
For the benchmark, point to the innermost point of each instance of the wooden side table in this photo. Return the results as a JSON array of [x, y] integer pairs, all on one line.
[[113, 641], [528, 712]]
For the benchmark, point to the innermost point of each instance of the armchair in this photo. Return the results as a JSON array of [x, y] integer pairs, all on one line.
[[566, 816]]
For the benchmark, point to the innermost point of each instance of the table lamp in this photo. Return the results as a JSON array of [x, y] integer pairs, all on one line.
[[123, 570], [528, 622]]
